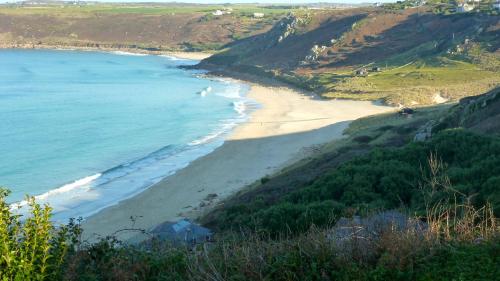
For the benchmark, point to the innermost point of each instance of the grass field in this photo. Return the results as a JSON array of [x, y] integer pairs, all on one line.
[[133, 26], [415, 83], [83, 10]]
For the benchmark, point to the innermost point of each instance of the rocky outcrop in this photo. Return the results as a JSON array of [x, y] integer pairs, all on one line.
[[362, 234], [289, 25], [479, 113], [425, 132]]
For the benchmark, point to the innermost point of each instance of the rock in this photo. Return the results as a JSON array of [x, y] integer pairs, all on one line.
[[425, 132]]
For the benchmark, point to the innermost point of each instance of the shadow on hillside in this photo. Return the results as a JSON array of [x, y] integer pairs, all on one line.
[[264, 49], [439, 31]]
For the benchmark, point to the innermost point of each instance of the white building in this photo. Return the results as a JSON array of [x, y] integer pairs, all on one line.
[[464, 8], [218, 13], [258, 15]]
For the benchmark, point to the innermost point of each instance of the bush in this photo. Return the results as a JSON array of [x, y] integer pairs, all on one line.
[[384, 179], [33, 248]]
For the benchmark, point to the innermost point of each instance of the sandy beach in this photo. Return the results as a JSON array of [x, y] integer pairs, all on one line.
[[276, 135]]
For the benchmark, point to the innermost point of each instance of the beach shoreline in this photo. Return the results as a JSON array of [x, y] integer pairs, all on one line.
[[281, 132], [277, 134], [177, 54]]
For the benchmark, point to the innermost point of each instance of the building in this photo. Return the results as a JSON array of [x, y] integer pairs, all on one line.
[[361, 72], [258, 15], [183, 232], [464, 8], [218, 13]]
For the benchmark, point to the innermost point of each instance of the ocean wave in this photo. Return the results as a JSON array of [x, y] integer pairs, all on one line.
[[90, 194], [232, 91], [205, 91], [123, 53], [174, 58], [240, 107], [61, 190]]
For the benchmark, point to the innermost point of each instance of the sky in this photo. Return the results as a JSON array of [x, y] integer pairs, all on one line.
[[239, 1]]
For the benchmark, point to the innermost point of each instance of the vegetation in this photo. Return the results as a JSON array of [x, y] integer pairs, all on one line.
[[149, 9], [448, 185], [415, 83], [448, 249], [376, 54], [310, 256], [385, 179], [142, 27], [33, 248]]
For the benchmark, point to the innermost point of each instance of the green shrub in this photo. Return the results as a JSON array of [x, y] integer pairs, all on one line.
[[33, 248], [384, 179]]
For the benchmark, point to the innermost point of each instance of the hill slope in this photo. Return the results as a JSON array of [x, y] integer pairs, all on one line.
[[143, 26], [378, 167], [417, 56]]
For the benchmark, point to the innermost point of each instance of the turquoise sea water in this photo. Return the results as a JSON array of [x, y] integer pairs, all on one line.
[[83, 130]]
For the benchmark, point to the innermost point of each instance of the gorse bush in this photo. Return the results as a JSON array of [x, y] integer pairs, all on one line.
[[404, 254], [33, 248], [384, 179]]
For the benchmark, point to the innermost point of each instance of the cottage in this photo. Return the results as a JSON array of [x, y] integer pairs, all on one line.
[[218, 13], [361, 72], [464, 8], [182, 232], [258, 15], [376, 69]]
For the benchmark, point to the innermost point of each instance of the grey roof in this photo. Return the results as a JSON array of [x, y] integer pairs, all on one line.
[[181, 231]]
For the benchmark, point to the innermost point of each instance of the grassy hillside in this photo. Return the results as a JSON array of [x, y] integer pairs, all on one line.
[[413, 56], [145, 26], [378, 167]]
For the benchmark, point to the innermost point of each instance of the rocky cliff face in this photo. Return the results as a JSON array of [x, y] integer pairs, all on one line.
[[480, 114]]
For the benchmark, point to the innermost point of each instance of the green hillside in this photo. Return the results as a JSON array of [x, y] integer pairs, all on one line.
[[414, 56]]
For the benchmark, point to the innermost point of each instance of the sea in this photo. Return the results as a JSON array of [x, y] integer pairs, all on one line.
[[83, 130]]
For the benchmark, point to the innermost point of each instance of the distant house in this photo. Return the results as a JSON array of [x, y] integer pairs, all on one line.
[[258, 15], [376, 69], [183, 232], [218, 13], [361, 72], [464, 8]]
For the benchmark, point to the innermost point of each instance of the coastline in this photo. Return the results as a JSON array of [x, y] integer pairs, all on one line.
[[176, 54], [283, 131], [280, 133]]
